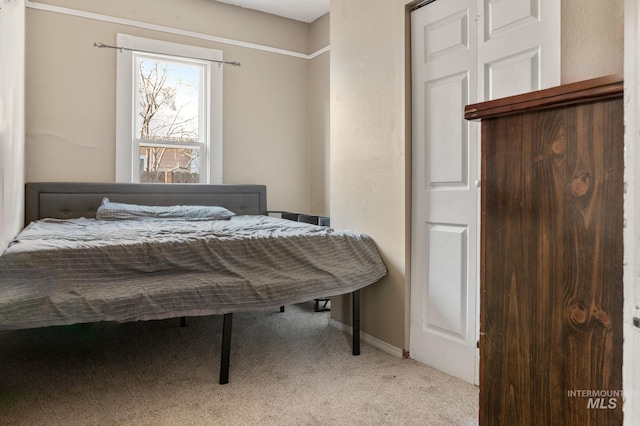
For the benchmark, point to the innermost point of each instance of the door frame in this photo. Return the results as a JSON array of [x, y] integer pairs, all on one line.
[[631, 332]]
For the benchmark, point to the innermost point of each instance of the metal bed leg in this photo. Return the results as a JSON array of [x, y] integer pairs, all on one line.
[[324, 308], [281, 308], [356, 322], [226, 348]]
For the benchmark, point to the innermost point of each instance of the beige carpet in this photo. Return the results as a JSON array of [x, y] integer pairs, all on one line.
[[286, 369]]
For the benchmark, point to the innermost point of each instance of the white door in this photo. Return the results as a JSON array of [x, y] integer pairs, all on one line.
[[518, 47], [463, 52]]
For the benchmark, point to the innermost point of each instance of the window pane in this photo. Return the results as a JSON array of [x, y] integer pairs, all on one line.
[[168, 94], [169, 165]]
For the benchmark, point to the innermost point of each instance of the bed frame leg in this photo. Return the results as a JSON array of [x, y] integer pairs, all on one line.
[[226, 348], [281, 308], [183, 321], [356, 322]]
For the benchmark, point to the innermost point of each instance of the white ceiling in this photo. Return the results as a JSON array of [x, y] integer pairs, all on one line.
[[300, 10]]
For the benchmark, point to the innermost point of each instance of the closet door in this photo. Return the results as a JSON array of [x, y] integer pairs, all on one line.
[[445, 199], [460, 50], [518, 47]]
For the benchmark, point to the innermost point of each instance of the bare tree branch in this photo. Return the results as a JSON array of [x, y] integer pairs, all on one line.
[[160, 117]]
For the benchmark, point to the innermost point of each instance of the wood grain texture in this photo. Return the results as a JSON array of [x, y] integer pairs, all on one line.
[[552, 252]]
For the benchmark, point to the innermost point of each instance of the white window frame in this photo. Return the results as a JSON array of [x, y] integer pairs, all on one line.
[[127, 147]]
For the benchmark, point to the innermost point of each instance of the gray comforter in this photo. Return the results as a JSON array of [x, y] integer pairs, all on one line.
[[59, 272]]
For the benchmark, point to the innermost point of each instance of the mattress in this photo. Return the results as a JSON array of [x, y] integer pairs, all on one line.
[[60, 272]]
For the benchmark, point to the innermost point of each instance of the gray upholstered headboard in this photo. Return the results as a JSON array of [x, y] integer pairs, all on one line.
[[66, 200]]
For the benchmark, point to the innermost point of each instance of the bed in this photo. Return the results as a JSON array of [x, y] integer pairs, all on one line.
[[90, 252]]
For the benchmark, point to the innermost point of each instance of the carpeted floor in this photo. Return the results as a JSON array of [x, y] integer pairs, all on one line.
[[287, 368]]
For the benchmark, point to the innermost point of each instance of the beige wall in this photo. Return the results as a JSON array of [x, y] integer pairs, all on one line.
[[370, 134], [592, 39], [369, 149], [319, 129], [70, 95]]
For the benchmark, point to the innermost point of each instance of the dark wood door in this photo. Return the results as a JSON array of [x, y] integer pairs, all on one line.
[[552, 253]]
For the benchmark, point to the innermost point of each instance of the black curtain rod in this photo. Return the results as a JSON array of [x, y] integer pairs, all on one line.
[[102, 46]]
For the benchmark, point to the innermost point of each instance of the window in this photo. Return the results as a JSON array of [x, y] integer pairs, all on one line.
[[169, 113]]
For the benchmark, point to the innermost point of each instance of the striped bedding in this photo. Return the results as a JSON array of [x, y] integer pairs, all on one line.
[[59, 272]]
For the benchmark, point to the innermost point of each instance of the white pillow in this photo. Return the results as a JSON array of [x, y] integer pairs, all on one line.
[[121, 211]]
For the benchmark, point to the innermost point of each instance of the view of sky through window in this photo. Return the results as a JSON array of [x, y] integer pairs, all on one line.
[[168, 115], [168, 107]]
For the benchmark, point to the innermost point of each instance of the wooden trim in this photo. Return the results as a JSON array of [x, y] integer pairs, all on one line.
[[574, 93]]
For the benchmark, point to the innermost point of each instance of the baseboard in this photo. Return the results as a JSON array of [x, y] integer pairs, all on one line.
[[373, 341]]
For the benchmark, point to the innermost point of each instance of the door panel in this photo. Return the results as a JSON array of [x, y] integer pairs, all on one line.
[[518, 47], [444, 243], [446, 35], [508, 15], [447, 264], [512, 75], [463, 52], [447, 151]]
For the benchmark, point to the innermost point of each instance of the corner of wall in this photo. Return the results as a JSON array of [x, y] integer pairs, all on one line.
[[12, 101]]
